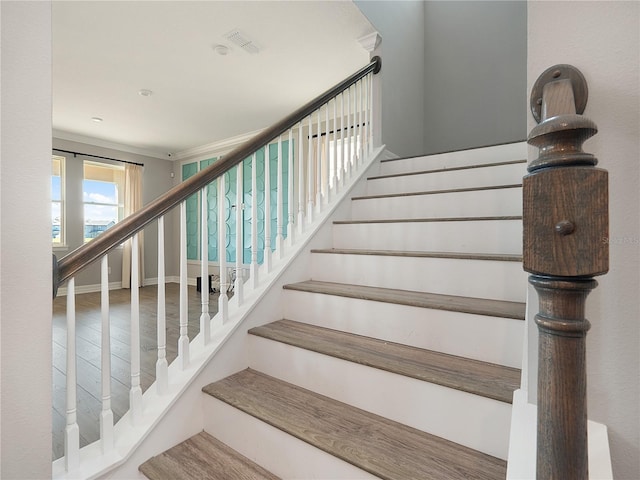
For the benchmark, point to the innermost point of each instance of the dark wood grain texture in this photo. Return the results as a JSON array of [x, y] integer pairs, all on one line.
[[562, 377], [565, 221], [477, 306], [566, 194], [472, 376], [203, 457], [375, 444]]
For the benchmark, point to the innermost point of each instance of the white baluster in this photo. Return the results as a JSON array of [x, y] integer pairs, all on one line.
[[162, 376], [354, 129], [223, 299], [239, 285], [310, 173], [205, 319], [334, 157], [347, 158], [135, 394], [326, 191], [342, 142], [267, 211], [360, 137], [290, 191], [106, 415], [254, 221], [279, 204], [363, 116], [183, 340], [301, 197], [71, 432], [319, 165], [370, 112]]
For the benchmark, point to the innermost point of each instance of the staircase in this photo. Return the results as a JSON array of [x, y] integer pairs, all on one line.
[[398, 358]]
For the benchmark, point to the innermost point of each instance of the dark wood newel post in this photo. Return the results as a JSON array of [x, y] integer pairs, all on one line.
[[565, 244]]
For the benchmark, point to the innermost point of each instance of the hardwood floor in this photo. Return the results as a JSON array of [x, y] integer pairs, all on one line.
[[88, 341]]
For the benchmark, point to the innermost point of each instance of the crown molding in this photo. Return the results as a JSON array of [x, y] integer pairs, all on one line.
[[215, 148], [370, 42], [97, 142]]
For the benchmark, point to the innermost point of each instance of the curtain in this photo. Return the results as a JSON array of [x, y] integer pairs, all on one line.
[[132, 203]]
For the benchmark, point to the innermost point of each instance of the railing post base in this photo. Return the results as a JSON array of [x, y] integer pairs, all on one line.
[[562, 422]]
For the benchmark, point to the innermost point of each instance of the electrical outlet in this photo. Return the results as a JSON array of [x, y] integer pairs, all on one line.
[[109, 271]]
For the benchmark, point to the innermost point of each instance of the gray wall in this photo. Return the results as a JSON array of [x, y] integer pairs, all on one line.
[[156, 180], [453, 75], [475, 74], [401, 25]]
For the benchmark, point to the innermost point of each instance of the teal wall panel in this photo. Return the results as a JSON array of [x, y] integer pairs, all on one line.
[[248, 196]]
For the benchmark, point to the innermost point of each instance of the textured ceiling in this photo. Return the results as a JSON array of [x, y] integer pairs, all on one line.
[[104, 53]]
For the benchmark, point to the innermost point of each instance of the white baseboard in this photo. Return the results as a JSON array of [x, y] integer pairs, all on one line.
[[62, 292]]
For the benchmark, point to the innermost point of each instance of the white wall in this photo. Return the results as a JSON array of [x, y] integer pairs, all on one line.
[[25, 240], [602, 39], [401, 26]]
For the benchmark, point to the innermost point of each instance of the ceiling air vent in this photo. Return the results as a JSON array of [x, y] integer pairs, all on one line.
[[239, 39]]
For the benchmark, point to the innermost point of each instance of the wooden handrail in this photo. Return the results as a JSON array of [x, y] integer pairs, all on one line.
[[75, 261], [565, 220]]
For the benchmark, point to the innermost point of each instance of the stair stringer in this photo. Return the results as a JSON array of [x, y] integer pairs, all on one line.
[[174, 417]]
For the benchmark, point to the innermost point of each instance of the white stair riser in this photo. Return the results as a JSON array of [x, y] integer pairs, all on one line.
[[473, 236], [280, 453], [479, 156], [477, 203], [449, 276], [474, 177], [467, 419], [480, 337]]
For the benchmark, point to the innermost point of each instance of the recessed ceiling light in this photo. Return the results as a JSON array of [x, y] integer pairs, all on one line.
[[145, 93], [96, 119], [221, 49]]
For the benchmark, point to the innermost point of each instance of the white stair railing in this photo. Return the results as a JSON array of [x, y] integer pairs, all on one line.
[[306, 183]]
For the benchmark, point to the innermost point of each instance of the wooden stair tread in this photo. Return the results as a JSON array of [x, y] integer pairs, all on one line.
[[439, 170], [203, 457], [436, 192], [477, 306], [472, 376], [417, 254], [375, 444], [422, 220]]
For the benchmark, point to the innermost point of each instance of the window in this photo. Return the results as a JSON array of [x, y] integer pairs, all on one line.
[[57, 200], [103, 197]]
